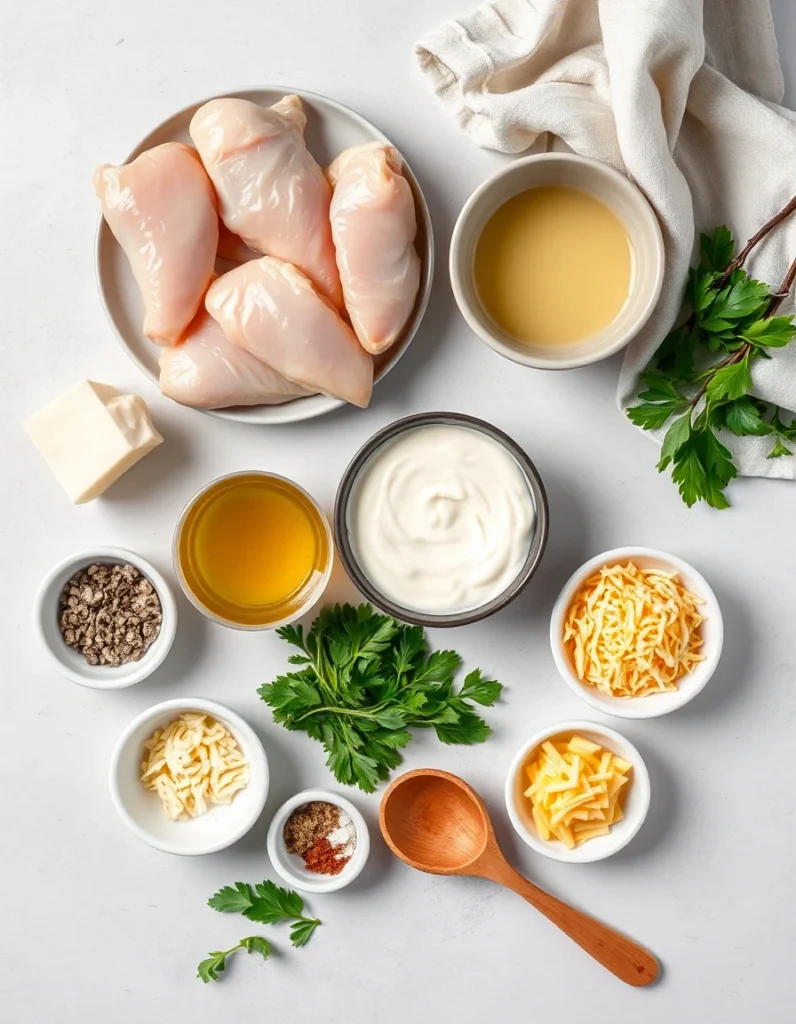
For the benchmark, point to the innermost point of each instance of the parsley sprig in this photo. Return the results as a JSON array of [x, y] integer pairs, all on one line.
[[364, 680], [210, 969], [701, 374], [267, 903]]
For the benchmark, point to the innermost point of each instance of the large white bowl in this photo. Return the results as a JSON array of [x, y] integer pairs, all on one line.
[[688, 686], [615, 191], [71, 663], [635, 804], [331, 128], [142, 811]]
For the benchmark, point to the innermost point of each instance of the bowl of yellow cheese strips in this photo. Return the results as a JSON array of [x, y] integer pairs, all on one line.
[[636, 632], [577, 792]]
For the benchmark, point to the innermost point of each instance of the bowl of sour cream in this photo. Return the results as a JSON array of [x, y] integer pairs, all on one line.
[[441, 519]]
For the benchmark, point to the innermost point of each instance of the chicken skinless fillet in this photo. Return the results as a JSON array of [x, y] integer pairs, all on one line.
[[271, 192], [374, 228], [161, 209], [270, 308], [205, 371]]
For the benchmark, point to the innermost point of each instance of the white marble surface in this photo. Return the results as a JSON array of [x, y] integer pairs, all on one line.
[[95, 925]]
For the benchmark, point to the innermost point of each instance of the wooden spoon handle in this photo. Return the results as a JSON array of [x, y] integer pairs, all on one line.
[[630, 962]]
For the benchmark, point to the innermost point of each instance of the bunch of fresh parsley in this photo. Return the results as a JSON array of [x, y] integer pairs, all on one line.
[[265, 903], [364, 681], [701, 373]]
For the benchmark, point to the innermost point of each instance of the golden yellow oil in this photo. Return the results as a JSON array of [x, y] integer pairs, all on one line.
[[253, 548], [553, 266]]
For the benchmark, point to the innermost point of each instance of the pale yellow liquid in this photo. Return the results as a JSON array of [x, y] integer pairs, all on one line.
[[553, 266]]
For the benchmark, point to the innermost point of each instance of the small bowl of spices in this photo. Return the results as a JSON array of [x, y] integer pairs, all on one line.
[[318, 841], [106, 618]]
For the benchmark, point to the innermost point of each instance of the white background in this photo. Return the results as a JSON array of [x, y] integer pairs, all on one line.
[[96, 926]]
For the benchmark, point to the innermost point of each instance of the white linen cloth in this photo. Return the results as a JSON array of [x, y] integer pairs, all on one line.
[[680, 95]]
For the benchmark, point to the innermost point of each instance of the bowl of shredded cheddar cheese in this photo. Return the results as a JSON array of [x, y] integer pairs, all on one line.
[[577, 792], [636, 632]]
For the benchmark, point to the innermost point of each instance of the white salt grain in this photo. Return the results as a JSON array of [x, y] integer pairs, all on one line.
[[343, 838]]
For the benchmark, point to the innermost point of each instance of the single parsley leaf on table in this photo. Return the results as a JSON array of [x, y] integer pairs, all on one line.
[[363, 680], [266, 903], [210, 969]]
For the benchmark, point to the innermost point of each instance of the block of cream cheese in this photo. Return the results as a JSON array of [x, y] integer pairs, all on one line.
[[90, 436]]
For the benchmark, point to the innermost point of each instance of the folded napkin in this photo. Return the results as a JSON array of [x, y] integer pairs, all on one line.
[[681, 95]]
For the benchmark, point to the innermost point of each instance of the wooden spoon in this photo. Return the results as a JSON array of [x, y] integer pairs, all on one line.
[[435, 822]]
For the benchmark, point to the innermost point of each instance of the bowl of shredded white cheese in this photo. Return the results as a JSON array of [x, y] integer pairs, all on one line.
[[189, 776]]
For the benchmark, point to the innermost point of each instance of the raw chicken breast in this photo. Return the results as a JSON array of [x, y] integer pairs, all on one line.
[[205, 371], [162, 210], [374, 228], [271, 191], [232, 248], [269, 308]]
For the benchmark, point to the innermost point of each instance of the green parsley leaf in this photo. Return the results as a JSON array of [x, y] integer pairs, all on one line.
[[677, 435], [778, 451], [210, 969], [651, 417], [482, 691], [234, 900], [701, 373], [717, 248], [374, 680], [742, 417], [254, 944], [775, 332], [301, 932], [734, 302], [730, 381], [689, 473], [265, 903]]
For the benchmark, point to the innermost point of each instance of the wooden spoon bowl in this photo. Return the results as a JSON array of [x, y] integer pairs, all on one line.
[[435, 822], [432, 822]]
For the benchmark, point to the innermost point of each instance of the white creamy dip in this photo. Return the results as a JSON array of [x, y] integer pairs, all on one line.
[[441, 519]]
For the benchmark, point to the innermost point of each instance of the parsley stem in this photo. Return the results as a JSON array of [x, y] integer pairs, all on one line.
[[769, 226], [784, 290], [776, 301], [343, 711]]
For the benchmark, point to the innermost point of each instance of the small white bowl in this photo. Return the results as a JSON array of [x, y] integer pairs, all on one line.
[[635, 805], [291, 867], [615, 191], [71, 663], [142, 811], [688, 686]]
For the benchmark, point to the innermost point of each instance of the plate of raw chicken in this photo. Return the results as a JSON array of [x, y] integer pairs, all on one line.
[[264, 256]]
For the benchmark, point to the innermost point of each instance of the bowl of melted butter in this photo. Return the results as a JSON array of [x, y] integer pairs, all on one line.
[[557, 261], [253, 550]]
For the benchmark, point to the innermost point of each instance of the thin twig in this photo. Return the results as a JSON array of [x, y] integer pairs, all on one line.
[[736, 357], [784, 290], [769, 226]]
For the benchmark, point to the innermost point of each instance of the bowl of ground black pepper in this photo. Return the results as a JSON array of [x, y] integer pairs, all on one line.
[[318, 841], [106, 618]]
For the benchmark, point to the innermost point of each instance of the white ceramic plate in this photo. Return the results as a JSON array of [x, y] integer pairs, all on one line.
[[331, 128]]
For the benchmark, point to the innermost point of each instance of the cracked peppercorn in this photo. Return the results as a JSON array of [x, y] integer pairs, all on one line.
[[111, 614]]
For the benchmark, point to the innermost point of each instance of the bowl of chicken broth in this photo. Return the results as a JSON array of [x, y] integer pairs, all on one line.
[[557, 261]]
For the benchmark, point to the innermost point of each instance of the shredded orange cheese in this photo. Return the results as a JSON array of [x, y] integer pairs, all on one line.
[[633, 632], [576, 790]]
